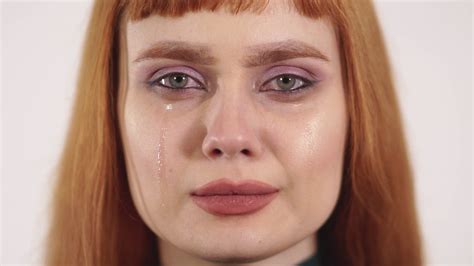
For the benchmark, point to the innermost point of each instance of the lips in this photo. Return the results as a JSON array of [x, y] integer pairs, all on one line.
[[225, 197]]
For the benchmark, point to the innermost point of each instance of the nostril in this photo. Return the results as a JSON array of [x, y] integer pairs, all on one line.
[[216, 152]]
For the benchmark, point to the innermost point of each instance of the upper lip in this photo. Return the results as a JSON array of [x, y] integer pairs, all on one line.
[[226, 186]]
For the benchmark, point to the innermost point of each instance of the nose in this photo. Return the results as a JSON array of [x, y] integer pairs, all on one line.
[[231, 130]]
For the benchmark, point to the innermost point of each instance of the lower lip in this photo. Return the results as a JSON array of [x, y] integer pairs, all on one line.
[[233, 204]]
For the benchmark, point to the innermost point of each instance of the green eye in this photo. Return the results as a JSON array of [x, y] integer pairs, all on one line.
[[286, 82], [177, 80]]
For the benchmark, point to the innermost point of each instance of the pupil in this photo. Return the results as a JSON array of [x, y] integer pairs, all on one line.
[[178, 80], [286, 82]]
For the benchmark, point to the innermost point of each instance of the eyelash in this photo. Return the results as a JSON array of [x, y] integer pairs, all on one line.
[[306, 83], [156, 82]]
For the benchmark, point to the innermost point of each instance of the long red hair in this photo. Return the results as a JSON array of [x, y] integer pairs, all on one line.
[[94, 221]]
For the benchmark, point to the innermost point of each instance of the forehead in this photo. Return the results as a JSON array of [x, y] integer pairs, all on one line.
[[227, 33]]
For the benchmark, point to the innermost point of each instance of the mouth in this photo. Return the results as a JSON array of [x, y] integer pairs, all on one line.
[[225, 197]]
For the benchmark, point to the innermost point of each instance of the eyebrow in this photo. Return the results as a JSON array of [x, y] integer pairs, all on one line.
[[256, 55], [263, 54]]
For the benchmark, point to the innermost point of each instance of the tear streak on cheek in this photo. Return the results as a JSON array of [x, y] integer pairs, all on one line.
[[163, 182]]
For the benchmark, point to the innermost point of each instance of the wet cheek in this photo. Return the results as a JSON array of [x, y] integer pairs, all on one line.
[[143, 145], [139, 149], [145, 142]]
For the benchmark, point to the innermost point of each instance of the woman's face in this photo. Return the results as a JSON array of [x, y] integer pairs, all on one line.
[[251, 102]]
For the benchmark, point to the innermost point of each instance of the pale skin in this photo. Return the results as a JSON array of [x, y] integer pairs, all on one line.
[[231, 122]]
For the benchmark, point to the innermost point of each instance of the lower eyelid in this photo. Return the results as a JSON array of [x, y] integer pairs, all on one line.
[[296, 90]]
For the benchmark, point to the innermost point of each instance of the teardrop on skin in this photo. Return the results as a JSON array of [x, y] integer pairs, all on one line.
[[162, 181], [160, 156], [159, 162], [162, 165], [160, 148]]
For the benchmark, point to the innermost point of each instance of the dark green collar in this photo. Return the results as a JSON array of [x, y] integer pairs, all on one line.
[[314, 260]]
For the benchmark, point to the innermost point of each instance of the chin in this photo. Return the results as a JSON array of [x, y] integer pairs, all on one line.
[[236, 247], [236, 255]]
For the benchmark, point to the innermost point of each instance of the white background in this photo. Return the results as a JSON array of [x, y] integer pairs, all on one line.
[[430, 45]]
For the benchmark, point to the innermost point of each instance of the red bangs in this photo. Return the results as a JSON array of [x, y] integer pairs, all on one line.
[[140, 9]]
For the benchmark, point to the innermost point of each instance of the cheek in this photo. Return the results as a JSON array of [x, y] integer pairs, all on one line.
[[145, 135], [312, 151], [321, 145]]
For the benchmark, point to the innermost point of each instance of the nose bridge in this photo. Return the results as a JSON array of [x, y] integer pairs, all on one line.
[[231, 127]]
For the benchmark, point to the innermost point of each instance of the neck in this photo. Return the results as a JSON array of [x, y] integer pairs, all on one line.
[[170, 255]]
